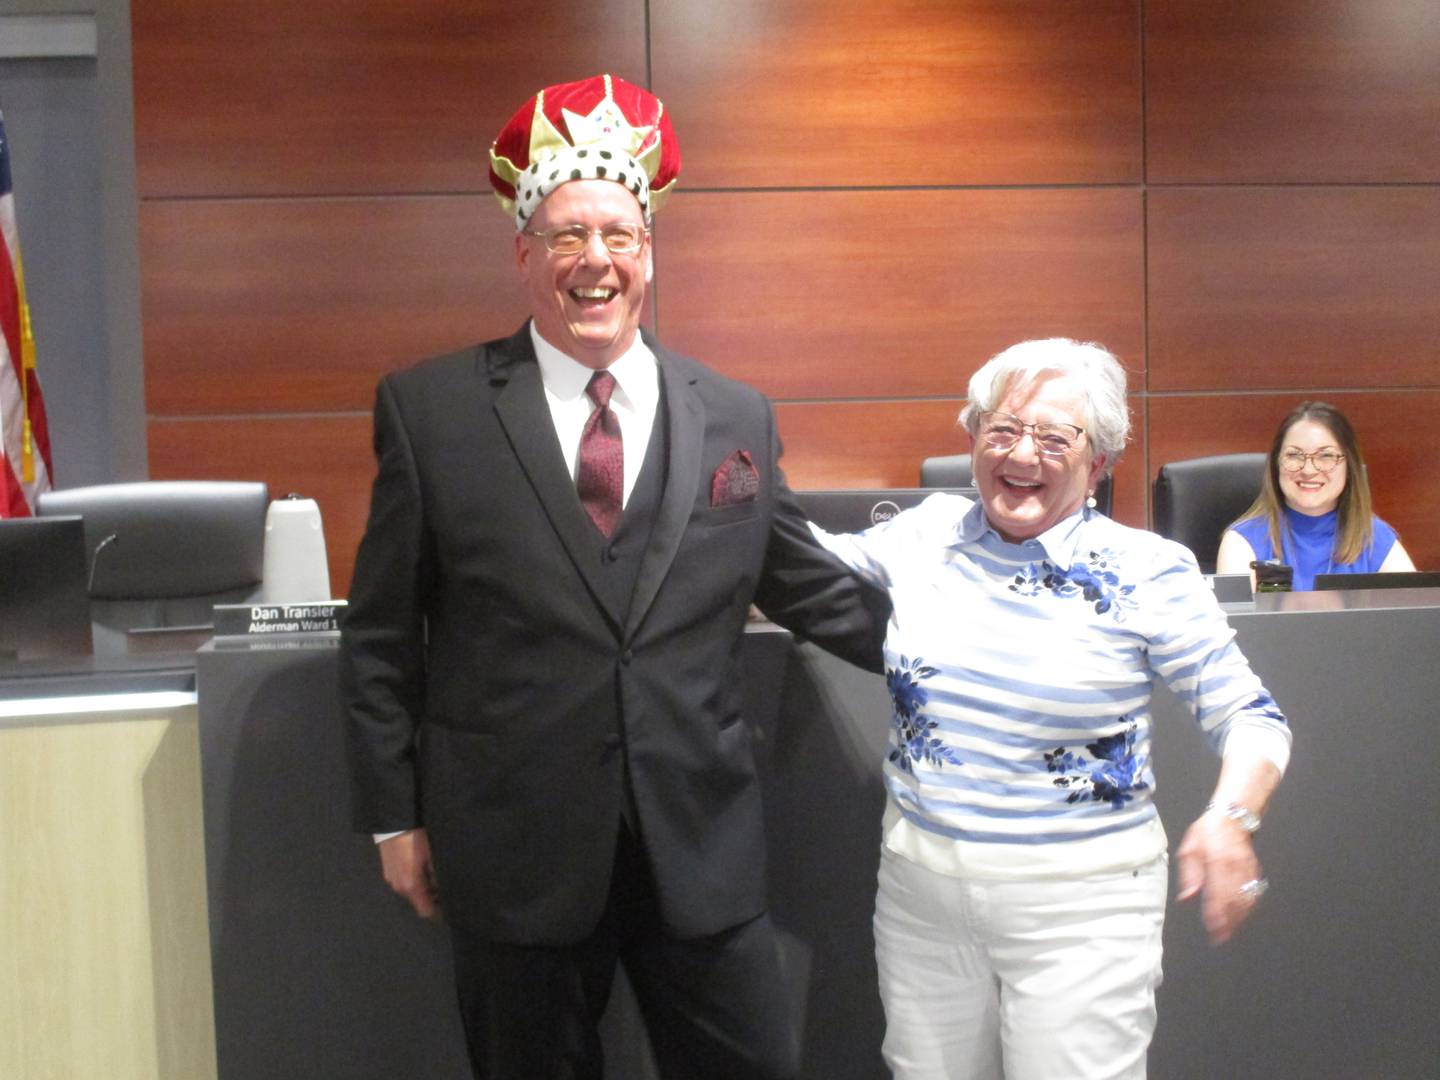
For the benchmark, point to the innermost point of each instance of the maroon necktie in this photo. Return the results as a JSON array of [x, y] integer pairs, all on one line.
[[602, 457]]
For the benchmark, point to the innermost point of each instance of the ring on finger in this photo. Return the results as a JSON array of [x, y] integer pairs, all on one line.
[[1255, 888]]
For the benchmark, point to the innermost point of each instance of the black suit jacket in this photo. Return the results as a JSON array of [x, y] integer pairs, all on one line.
[[494, 695]]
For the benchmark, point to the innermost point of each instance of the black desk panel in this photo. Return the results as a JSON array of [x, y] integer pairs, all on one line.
[[1335, 975], [320, 972]]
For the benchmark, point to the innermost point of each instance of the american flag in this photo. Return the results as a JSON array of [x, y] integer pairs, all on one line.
[[25, 466]]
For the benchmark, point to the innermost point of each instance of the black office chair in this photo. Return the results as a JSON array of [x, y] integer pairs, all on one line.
[[1194, 500], [162, 553], [953, 470]]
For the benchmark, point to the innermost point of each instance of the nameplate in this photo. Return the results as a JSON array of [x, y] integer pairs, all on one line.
[[260, 620]]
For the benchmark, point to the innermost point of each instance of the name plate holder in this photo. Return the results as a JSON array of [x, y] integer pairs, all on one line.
[[256, 622]]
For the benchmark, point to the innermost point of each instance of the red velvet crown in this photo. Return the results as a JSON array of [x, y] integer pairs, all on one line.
[[598, 128]]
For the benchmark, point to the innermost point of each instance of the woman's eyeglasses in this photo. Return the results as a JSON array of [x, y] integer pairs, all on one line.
[[1002, 431], [1324, 460]]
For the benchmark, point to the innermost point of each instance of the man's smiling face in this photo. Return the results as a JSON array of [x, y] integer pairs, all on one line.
[[587, 305]]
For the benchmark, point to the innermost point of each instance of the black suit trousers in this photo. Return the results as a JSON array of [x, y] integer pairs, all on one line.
[[721, 1007]]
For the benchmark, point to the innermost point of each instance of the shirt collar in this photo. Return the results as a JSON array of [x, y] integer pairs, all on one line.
[[1060, 542], [636, 380]]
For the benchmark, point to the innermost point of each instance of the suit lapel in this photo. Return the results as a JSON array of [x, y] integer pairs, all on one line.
[[522, 412], [685, 416]]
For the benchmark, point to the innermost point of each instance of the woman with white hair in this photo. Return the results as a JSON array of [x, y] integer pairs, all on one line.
[[1023, 874]]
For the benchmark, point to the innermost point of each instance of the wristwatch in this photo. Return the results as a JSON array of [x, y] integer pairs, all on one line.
[[1243, 816]]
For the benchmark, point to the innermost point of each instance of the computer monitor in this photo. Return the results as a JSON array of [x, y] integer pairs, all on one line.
[[1387, 579], [844, 511], [44, 599]]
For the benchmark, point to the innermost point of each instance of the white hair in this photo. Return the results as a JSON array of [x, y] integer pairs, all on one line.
[[1094, 368]]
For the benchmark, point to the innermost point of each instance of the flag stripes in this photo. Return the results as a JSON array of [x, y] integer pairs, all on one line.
[[25, 463]]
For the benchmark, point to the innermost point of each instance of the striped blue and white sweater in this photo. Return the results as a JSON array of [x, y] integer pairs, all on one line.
[[1020, 679]]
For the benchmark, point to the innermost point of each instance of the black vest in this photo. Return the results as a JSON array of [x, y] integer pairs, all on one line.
[[621, 555], [620, 558]]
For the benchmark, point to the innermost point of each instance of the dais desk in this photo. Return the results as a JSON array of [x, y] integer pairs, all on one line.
[[318, 971]]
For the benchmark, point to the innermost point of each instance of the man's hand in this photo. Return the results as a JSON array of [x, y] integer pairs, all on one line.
[[1216, 859], [405, 862]]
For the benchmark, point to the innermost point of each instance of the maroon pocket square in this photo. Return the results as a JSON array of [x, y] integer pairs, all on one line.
[[736, 481]]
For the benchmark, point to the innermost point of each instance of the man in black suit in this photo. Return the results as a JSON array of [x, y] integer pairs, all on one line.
[[544, 634]]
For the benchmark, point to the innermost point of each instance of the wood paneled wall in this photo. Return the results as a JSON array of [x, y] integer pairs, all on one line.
[[1241, 200]]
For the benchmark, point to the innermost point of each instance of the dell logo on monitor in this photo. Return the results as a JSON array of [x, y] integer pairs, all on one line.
[[883, 510]]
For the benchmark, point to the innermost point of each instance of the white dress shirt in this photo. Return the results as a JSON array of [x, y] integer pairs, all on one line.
[[635, 401]]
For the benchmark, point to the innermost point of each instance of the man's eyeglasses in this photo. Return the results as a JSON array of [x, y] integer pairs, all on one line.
[[1002, 431], [619, 238], [1325, 460]]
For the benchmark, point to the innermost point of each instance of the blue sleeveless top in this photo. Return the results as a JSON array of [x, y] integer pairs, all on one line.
[[1309, 545]]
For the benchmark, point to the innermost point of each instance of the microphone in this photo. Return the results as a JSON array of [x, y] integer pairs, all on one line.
[[113, 538]]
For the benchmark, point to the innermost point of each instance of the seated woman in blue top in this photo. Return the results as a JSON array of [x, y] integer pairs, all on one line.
[[1313, 511]]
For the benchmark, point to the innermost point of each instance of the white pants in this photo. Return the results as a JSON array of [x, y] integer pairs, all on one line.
[[1025, 980]]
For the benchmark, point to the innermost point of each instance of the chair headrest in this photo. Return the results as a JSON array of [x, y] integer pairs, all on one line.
[[1197, 498], [171, 537], [951, 470]]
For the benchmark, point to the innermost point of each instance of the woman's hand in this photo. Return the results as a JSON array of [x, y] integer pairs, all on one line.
[[1218, 863]]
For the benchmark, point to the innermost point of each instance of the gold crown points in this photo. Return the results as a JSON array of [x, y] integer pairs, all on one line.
[[605, 124]]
